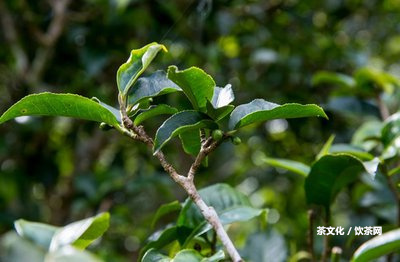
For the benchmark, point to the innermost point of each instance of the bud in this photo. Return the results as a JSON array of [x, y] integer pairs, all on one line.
[[105, 126], [236, 140], [217, 135]]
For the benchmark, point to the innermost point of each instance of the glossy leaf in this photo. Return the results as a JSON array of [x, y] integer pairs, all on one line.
[[82, 233], [69, 253], [179, 123], [137, 63], [219, 106], [154, 111], [329, 175], [152, 255], [260, 110], [166, 209], [38, 233], [151, 86], [332, 78], [197, 85], [221, 197], [49, 104], [391, 129], [290, 165], [378, 246], [160, 239], [191, 142]]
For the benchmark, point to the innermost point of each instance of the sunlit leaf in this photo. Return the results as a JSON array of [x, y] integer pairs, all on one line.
[[49, 104], [391, 129], [81, 233], [326, 147], [332, 78], [368, 79], [260, 110], [197, 85], [137, 63], [290, 165], [179, 123], [378, 246], [38, 233]]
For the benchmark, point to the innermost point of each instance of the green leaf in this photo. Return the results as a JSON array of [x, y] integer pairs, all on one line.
[[187, 255], [328, 176], [391, 129], [113, 110], [69, 253], [152, 255], [326, 147], [166, 209], [219, 113], [367, 135], [49, 104], [221, 197], [137, 63], [153, 111], [368, 79], [351, 150], [326, 77], [15, 249], [290, 165], [82, 233], [156, 84], [38, 233], [219, 106], [163, 238], [191, 142], [180, 123], [197, 85], [378, 246], [260, 110]]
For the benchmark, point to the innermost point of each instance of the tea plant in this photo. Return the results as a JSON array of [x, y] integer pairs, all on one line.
[[209, 121]]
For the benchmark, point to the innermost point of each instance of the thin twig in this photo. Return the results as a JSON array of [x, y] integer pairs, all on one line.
[[138, 133], [326, 238]]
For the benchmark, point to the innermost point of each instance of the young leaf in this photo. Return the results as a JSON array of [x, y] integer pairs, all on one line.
[[378, 246], [156, 84], [351, 150], [326, 147], [137, 63], [179, 123], [368, 79], [81, 233], [153, 111], [166, 209], [260, 110], [49, 104], [329, 175], [191, 142], [326, 77], [38, 233], [219, 106], [197, 85], [290, 165]]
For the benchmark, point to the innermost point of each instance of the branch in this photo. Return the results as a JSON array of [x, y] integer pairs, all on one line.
[[138, 133]]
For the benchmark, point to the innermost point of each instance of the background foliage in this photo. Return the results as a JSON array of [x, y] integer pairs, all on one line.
[[58, 170]]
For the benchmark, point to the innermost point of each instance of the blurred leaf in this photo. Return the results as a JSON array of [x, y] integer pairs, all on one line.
[[290, 165], [159, 240], [351, 150], [153, 111], [137, 63], [221, 197], [391, 129], [153, 255], [197, 85], [185, 255], [68, 254], [260, 110], [326, 77], [49, 104], [367, 135], [369, 79], [38, 233], [16, 249], [82, 233], [327, 146], [156, 84], [191, 141], [352, 106], [378, 246], [179, 123], [165, 209], [267, 246], [329, 175]]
